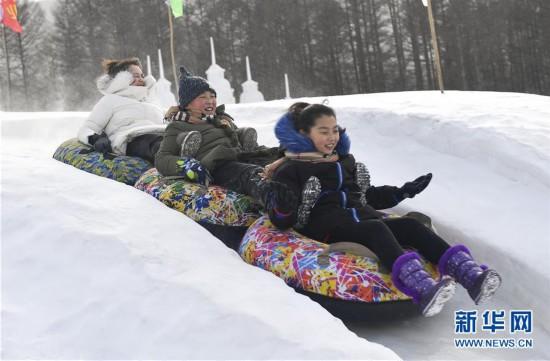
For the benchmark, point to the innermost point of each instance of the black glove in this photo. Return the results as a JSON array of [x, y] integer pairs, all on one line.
[[103, 145], [281, 205], [410, 189], [282, 198], [94, 137]]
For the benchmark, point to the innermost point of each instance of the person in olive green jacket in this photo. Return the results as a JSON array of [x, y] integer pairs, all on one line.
[[230, 156]]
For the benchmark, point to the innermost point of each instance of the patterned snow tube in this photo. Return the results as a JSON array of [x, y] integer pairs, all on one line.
[[294, 258], [121, 168], [212, 205]]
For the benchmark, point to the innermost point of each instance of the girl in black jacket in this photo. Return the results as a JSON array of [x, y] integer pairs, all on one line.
[[344, 208]]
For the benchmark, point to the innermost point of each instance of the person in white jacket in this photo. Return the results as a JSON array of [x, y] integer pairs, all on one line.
[[125, 121]]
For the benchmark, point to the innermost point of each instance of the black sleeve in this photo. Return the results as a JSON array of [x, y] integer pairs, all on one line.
[[289, 176], [383, 197]]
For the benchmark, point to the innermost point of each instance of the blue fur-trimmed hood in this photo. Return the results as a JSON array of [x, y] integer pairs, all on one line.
[[295, 142]]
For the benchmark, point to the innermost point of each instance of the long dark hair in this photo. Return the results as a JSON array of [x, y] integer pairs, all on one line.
[[115, 66], [304, 114]]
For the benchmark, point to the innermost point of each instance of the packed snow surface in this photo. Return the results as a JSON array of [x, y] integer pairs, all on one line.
[[95, 269]]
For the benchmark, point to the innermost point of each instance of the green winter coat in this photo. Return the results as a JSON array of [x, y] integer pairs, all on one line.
[[220, 143]]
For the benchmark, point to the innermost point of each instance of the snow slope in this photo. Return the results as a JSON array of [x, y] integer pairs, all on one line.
[[95, 269]]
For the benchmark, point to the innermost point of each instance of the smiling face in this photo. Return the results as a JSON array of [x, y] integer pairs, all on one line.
[[137, 74], [204, 103], [324, 134]]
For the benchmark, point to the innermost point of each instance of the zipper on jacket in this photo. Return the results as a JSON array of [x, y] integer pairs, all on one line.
[[343, 199], [340, 176], [343, 196], [354, 215]]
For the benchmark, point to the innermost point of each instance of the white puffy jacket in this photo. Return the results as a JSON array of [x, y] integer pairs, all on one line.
[[124, 112]]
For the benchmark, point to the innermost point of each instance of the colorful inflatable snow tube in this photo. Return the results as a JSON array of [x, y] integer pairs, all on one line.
[[346, 284], [210, 205], [121, 168]]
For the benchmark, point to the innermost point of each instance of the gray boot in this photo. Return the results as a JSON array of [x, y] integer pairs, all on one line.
[[310, 193], [248, 137], [190, 143], [362, 179]]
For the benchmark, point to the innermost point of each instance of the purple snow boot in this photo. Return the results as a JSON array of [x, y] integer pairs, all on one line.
[[410, 277], [481, 282]]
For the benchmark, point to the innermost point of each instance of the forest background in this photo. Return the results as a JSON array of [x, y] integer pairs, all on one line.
[[327, 47]]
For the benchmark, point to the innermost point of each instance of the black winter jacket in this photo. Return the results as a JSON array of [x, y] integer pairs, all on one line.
[[339, 202]]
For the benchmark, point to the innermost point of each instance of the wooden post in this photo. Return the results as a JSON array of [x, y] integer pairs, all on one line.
[[172, 49], [8, 105], [435, 47]]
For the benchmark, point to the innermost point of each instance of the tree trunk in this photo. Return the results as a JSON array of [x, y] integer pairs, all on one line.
[[8, 105], [380, 81], [413, 33], [397, 36], [23, 67], [361, 59], [350, 35]]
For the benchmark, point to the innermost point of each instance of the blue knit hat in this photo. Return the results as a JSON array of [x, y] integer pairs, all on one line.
[[191, 87]]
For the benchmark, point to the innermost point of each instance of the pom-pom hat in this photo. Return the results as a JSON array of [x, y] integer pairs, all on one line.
[[190, 87]]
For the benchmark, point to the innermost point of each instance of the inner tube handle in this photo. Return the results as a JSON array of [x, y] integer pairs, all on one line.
[[323, 259]]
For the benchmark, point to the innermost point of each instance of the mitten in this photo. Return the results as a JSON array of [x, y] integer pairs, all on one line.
[[193, 171], [103, 145], [411, 189], [94, 137]]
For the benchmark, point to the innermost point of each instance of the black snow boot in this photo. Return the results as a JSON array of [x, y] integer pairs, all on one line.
[[264, 191], [276, 198]]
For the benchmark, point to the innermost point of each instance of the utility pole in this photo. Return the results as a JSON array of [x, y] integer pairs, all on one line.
[[435, 46], [171, 25]]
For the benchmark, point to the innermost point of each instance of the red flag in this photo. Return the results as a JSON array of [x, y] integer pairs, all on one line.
[[9, 15]]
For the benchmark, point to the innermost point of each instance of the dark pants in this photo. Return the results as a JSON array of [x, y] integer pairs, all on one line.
[[145, 147], [387, 237], [242, 178]]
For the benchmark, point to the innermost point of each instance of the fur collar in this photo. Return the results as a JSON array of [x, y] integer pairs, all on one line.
[[297, 143], [120, 85]]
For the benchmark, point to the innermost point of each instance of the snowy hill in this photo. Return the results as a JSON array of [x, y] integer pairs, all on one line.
[[95, 269]]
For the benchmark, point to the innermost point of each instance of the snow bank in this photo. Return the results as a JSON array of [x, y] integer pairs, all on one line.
[[95, 269]]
